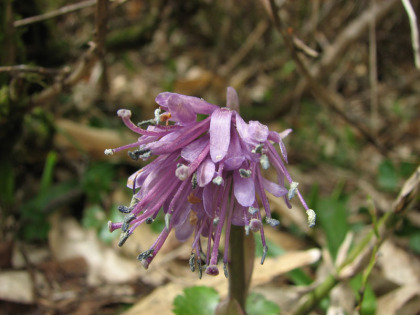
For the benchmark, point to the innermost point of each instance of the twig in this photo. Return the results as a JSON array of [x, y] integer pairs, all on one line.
[[325, 96], [414, 31], [49, 15], [101, 19], [33, 69], [373, 73], [85, 64]]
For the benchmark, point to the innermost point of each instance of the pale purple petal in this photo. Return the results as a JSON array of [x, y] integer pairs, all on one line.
[[198, 105], [183, 228], [285, 133], [181, 110], [220, 133], [232, 100], [193, 150], [241, 126], [273, 188], [235, 156], [257, 131], [244, 189], [238, 216], [205, 172]]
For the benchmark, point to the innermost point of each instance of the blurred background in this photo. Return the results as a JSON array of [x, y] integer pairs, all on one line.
[[67, 67]]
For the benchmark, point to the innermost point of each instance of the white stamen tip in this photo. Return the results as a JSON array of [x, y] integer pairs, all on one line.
[[182, 172], [292, 190], [109, 152], [311, 217], [124, 113]]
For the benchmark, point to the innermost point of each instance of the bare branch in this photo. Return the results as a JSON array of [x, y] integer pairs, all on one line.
[[414, 31]]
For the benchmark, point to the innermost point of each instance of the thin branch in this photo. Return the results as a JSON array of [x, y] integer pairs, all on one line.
[[52, 14], [414, 31], [325, 96], [32, 69], [373, 72]]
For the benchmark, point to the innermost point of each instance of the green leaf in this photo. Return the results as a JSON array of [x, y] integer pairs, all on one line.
[[415, 243], [369, 298], [257, 304], [197, 300], [387, 176], [332, 216]]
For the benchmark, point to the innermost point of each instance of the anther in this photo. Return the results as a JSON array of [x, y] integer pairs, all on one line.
[[311, 217], [272, 222], [192, 262], [126, 223], [292, 190], [124, 209], [147, 254], [265, 162], [149, 220], [182, 172], [216, 220], [123, 237], [244, 173], [258, 149], [218, 180], [212, 270], [225, 270], [252, 210], [265, 250], [109, 152], [194, 181], [167, 220]]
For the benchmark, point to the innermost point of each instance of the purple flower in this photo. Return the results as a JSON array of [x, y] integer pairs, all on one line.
[[206, 176]]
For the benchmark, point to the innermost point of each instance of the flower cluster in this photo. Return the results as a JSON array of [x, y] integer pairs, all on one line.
[[206, 176]]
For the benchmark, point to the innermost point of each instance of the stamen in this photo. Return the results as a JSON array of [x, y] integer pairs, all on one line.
[[123, 238], [192, 262], [124, 209], [258, 149], [126, 222], [167, 220], [146, 123], [246, 230], [272, 222], [140, 153], [225, 270], [218, 180], [253, 210], [265, 162], [194, 181], [311, 217], [216, 220], [182, 172], [149, 220], [265, 250], [109, 152], [157, 116], [244, 173], [147, 254], [292, 190]]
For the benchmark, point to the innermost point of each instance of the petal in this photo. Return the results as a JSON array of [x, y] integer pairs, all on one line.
[[205, 172], [241, 126], [220, 133], [238, 216], [257, 131], [235, 157], [198, 105], [232, 100], [273, 188], [193, 150], [244, 189], [181, 109]]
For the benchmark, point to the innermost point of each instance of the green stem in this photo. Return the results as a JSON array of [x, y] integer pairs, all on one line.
[[237, 281]]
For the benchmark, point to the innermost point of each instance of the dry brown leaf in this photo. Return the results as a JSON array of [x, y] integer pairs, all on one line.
[[390, 303], [16, 286], [68, 239], [160, 300], [397, 265], [73, 137]]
